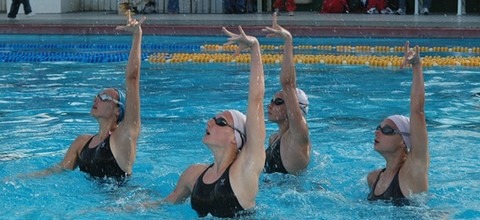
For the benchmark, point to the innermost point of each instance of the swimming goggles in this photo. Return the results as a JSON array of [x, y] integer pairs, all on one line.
[[104, 97], [387, 130], [222, 122], [277, 101]]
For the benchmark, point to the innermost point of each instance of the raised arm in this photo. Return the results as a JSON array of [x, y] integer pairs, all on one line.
[[288, 79], [124, 139], [252, 155], [418, 158]]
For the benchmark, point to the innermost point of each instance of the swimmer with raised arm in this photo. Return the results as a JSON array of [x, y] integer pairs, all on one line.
[[228, 187], [403, 142], [112, 150], [289, 148]]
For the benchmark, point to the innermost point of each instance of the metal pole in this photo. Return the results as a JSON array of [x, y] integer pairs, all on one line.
[[259, 6], [416, 8], [459, 7]]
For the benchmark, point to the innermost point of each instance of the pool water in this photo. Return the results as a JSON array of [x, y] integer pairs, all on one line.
[[45, 105]]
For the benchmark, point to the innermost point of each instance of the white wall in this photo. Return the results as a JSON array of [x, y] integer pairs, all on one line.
[[50, 6], [3, 5], [98, 5]]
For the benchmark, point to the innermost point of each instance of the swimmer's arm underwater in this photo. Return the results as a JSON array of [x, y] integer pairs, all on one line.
[[57, 168], [69, 162], [154, 204], [131, 208], [47, 172], [182, 190]]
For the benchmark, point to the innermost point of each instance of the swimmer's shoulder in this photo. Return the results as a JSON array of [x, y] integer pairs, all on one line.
[[80, 141], [372, 176], [192, 173], [187, 180]]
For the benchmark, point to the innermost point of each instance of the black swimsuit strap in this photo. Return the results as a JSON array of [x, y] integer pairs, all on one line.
[[376, 181], [203, 173], [88, 143]]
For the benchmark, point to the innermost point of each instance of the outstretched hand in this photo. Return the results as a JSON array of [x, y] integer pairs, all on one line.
[[132, 25], [244, 41], [410, 56], [276, 30]]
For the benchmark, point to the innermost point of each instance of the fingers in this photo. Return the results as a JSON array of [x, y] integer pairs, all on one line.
[[229, 42], [132, 24], [271, 35], [411, 56], [242, 39], [237, 52], [270, 29], [227, 32], [232, 37], [232, 34], [142, 20], [407, 48], [274, 19], [271, 32], [266, 29], [241, 30]]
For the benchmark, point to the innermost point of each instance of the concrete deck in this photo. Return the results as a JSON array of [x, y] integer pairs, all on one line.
[[302, 24]]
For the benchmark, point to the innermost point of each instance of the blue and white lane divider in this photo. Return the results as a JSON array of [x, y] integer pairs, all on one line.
[[88, 53]]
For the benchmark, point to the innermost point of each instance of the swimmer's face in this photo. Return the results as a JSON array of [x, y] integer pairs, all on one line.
[[105, 104], [276, 108], [387, 137], [219, 130]]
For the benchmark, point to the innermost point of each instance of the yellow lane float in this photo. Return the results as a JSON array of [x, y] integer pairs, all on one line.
[[346, 48], [331, 59]]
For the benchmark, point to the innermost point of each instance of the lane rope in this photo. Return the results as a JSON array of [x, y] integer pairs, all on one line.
[[380, 56]]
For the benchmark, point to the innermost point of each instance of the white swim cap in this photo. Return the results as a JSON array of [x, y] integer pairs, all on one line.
[[403, 124], [239, 121], [302, 101]]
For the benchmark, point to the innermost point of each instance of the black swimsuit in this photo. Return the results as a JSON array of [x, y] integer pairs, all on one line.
[[273, 159], [393, 192], [216, 198], [99, 161]]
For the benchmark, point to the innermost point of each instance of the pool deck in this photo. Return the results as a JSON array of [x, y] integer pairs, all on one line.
[[302, 24]]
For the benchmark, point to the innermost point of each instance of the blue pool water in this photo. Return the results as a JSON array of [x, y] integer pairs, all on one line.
[[45, 105]]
